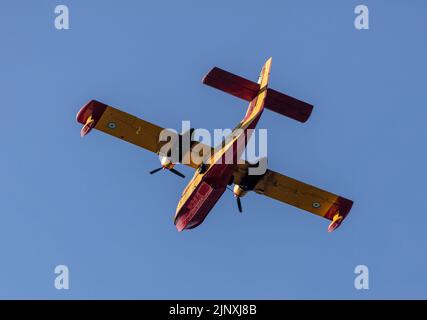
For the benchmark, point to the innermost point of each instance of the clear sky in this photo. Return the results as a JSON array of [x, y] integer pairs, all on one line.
[[90, 203]]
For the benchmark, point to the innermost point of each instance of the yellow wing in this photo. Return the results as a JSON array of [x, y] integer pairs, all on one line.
[[296, 193], [127, 127]]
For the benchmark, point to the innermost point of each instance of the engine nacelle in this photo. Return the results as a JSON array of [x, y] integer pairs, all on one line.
[[166, 163], [239, 191]]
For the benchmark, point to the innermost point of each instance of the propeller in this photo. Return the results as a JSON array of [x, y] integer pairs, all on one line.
[[156, 170], [239, 204], [174, 171], [177, 173]]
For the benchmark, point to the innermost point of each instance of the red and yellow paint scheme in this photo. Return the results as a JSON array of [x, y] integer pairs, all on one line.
[[212, 177]]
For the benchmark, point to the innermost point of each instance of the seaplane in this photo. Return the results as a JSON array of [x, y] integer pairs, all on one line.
[[218, 168]]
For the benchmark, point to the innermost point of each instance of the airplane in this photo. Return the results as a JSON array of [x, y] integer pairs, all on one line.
[[213, 177]]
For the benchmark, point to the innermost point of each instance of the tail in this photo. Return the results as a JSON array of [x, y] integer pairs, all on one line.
[[249, 90], [257, 104], [237, 140]]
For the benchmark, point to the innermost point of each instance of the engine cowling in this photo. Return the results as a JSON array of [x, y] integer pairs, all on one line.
[[166, 163], [239, 191]]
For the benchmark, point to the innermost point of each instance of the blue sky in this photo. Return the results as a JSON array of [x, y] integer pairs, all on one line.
[[90, 203]]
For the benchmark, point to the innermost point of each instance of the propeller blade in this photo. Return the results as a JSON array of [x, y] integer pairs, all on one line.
[[239, 204], [156, 170], [177, 172]]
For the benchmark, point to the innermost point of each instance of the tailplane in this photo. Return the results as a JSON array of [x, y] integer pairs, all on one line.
[[248, 90]]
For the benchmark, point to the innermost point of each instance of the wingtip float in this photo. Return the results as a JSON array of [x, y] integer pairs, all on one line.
[[210, 181]]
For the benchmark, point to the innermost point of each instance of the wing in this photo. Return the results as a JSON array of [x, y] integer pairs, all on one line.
[[127, 127], [299, 194]]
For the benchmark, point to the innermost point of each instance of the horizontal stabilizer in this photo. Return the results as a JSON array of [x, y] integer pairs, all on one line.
[[248, 90], [232, 84], [288, 106]]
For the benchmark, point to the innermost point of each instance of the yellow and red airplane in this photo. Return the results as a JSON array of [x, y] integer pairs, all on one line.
[[212, 177]]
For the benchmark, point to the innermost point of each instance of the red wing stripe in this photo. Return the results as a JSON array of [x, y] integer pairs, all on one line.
[[342, 205], [92, 108]]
